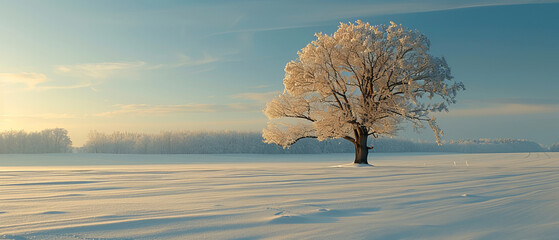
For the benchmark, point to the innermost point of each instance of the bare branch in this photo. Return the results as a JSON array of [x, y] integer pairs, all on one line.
[[363, 80]]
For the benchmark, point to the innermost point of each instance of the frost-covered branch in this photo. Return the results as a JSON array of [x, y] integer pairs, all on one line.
[[362, 80]]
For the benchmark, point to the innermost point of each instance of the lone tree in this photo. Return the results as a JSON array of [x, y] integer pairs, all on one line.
[[361, 81]]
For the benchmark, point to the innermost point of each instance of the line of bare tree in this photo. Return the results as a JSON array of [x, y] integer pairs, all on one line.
[[185, 142], [55, 140], [188, 142]]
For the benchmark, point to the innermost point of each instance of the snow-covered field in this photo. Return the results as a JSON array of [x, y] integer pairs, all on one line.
[[405, 196]]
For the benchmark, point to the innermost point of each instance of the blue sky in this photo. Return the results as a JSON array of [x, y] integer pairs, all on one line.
[[211, 65]]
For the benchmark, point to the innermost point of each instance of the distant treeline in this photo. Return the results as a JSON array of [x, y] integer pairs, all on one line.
[[186, 142], [54, 140], [250, 142], [554, 147]]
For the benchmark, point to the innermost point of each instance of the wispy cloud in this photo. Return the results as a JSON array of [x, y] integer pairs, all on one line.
[[148, 109], [458, 4], [33, 82], [43, 116], [303, 14], [258, 97], [28, 81], [503, 107], [344, 10], [264, 29], [530, 101], [237, 19], [94, 73], [105, 70], [73, 86], [187, 61], [256, 101], [98, 70], [261, 86]]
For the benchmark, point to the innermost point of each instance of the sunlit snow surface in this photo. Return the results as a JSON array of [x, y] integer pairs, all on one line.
[[405, 196]]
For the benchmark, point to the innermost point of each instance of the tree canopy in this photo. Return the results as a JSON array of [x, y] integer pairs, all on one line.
[[361, 81]]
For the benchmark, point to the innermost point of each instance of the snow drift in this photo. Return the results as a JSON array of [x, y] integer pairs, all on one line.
[[405, 196]]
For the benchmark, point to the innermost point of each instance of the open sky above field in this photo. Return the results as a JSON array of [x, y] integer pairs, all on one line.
[[148, 66]]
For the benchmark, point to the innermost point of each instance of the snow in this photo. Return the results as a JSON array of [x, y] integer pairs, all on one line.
[[404, 196], [351, 165]]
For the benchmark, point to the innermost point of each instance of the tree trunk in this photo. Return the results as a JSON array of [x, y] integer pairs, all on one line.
[[361, 150]]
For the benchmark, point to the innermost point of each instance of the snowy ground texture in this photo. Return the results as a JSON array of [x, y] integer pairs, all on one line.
[[405, 196]]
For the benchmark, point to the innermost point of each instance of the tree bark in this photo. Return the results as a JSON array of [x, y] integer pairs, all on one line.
[[361, 149]]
